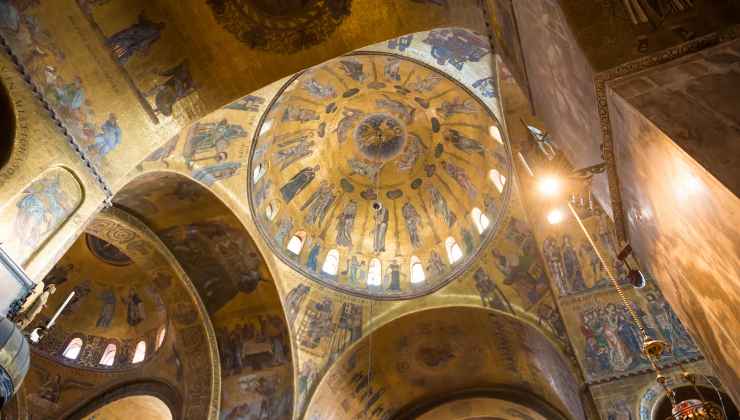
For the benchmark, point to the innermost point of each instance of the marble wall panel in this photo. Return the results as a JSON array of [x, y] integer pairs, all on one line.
[[683, 224]]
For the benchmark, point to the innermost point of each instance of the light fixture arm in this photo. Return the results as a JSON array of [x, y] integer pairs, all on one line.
[[40, 332]]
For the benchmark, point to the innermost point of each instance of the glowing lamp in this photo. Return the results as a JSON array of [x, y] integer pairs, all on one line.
[[549, 186], [555, 216]]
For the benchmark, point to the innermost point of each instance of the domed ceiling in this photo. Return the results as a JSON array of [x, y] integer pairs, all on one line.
[[377, 175], [115, 302]]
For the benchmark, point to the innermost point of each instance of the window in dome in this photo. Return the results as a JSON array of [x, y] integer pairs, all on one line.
[[160, 337], [259, 171], [454, 252], [140, 352], [496, 134], [266, 126], [296, 242], [109, 355], [374, 273], [271, 210], [498, 179], [73, 349], [480, 220], [417, 271], [331, 263]]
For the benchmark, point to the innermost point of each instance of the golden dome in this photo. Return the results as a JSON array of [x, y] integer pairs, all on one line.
[[116, 303], [378, 175]]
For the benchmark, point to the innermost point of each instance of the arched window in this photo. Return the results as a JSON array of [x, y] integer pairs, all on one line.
[[331, 263], [296, 242], [417, 271], [266, 126], [496, 134], [271, 210], [480, 220], [140, 352], [109, 355], [160, 337], [259, 170], [498, 179], [73, 349], [454, 252], [374, 273]]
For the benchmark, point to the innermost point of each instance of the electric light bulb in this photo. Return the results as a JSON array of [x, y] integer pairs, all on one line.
[[555, 216], [549, 186]]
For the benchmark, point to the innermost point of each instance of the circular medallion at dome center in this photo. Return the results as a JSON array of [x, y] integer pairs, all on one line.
[[380, 137]]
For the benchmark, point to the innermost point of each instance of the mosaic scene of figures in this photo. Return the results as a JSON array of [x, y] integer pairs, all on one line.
[[608, 342], [114, 302], [429, 353], [377, 175]]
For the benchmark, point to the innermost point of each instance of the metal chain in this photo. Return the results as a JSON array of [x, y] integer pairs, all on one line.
[[625, 301]]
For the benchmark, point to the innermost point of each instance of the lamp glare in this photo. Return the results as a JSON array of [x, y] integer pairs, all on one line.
[[549, 186], [555, 216]]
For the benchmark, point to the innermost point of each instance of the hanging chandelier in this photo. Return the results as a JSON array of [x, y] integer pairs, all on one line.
[[688, 409]]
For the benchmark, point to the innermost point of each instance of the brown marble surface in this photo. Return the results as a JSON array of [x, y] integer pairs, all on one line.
[[684, 226]]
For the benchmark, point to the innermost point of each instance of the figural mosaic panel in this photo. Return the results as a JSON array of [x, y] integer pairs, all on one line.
[[378, 176]]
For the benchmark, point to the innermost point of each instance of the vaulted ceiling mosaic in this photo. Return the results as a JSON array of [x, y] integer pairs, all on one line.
[[424, 358], [115, 302], [377, 175]]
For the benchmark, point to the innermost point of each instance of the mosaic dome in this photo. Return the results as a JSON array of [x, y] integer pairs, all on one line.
[[378, 175], [115, 307]]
